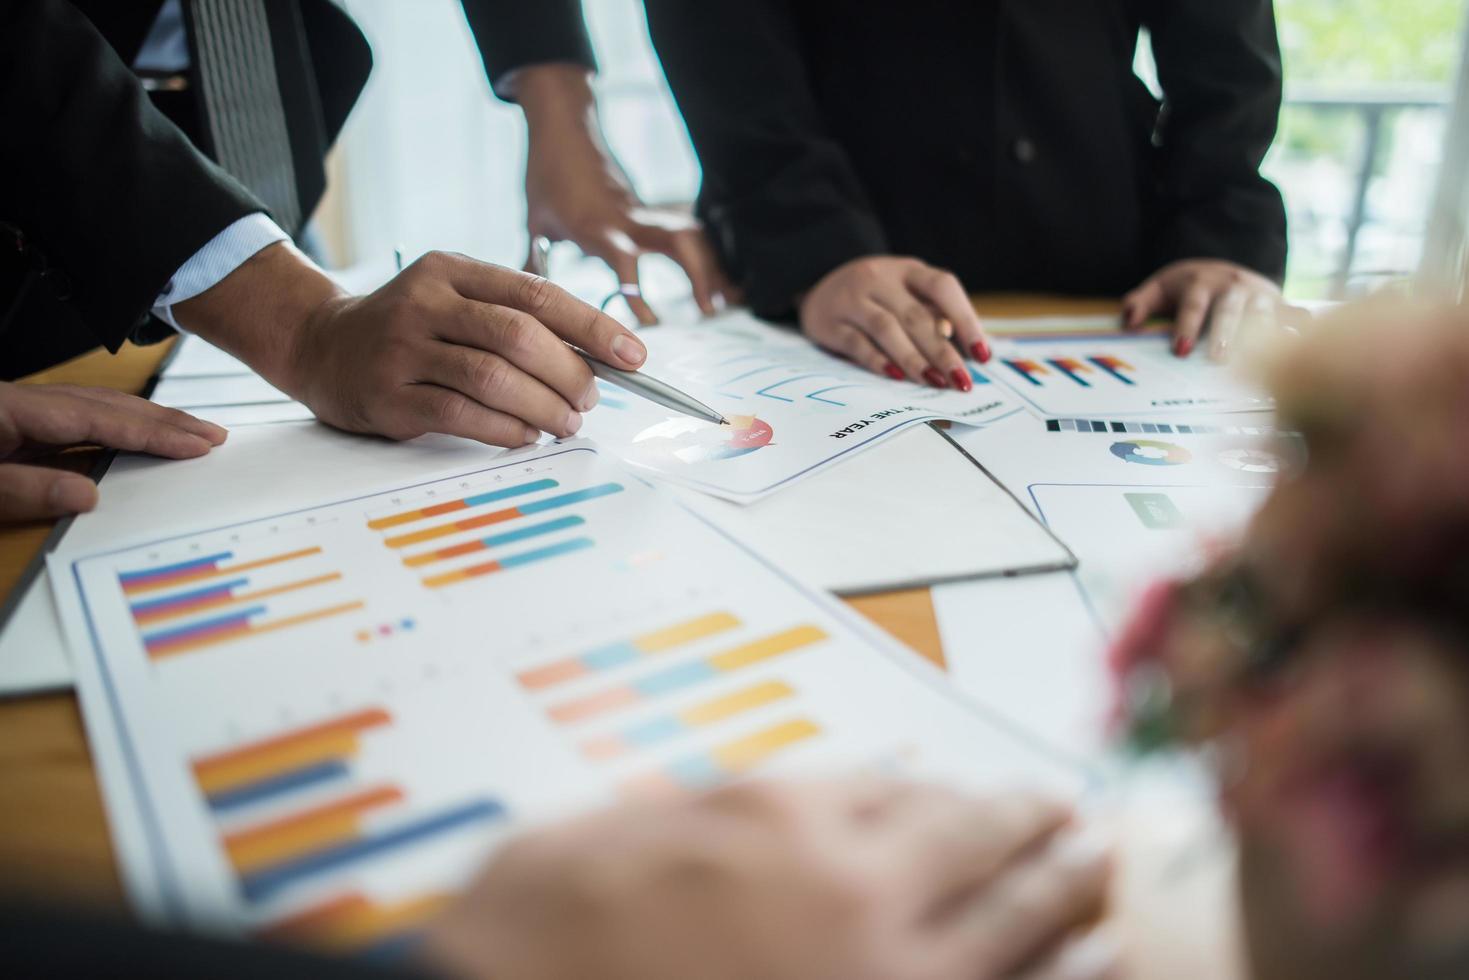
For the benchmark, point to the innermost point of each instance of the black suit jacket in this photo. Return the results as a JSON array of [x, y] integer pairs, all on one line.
[[1007, 140], [102, 197]]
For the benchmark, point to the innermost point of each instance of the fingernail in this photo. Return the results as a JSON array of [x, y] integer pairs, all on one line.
[[934, 378], [1183, 347], [73, 495], [216, 434], [961, 380], [573, 422], [590, 399], [629, 349], [893, 371], [981, 351]]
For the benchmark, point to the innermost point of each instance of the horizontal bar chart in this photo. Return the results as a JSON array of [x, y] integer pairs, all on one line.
[[200, 570], [281, 840], [508, 562], [627, 651], [686, 675], [730, 760], [494, 541], [234, 626], [1115, 366], [258, 886], [464, 503], [501, 516], [354, 923], [1031, 371], [1072, 368], [218, 596], [269, 766], [670, 726]]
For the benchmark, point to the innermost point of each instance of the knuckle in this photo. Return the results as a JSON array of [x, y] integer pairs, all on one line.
[[489, 373], [533, 293], [447, 414], [518, 333]]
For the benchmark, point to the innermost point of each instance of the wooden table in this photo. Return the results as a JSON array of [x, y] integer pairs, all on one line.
[[53, 834]]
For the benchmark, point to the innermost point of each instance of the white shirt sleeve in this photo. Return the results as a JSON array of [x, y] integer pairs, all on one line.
[[223, 254]]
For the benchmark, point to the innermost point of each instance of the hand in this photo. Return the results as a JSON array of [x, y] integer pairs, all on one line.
[[1203, 294], [575, 191], [36, 419], [449, 345], [896, 316], [840, 881]]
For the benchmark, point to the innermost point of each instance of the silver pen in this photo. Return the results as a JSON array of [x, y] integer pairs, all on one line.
[[651, 388], [658, 392]]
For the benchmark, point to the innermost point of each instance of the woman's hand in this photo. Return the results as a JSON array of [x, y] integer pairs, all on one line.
[[855, 880], [1203, 295], [36, 419], [896, 316]]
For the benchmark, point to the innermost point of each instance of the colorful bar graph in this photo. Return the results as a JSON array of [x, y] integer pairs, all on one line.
[[978, 376], [355, 923], [685, 675], [230, 627], [508, 562], [269, 765], [730, 760], [671, 726], [450, 506], [1072, 368], [500, 516], [216, 596], [1115, 366], [285, 839], [626, 651], [199, 570], [258, 886], [1031, 371], [494, 541]]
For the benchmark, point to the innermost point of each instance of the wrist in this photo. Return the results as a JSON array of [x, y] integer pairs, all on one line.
[[554, 96], [266, 312]]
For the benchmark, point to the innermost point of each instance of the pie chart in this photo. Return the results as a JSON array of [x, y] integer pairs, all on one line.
[[1151, 452], [1250, 460], [691, 441]]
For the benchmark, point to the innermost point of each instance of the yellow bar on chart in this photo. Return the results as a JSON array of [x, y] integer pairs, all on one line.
[[695, 629], [770, 646], [280, 840], [283, 758], [732, 704], [749, 752]]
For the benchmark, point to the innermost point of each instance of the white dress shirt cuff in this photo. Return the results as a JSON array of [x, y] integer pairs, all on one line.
[[224, 253]]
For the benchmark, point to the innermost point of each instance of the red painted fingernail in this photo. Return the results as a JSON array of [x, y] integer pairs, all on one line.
[[934, 378], [1183, 347], [893, 371], [981, 351], [961, 380]]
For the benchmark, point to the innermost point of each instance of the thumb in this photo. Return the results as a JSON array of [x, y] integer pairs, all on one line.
[[34, 493]]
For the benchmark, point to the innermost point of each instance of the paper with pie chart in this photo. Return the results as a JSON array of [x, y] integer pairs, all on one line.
[[1090, 371], [792, 408]]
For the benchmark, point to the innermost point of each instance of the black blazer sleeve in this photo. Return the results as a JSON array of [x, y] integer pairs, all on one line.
[[512, 34], [108, 192], [780, 196], [1219, 66]]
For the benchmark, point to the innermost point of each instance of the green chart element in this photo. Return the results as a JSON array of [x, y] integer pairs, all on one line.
[[1157, 511]]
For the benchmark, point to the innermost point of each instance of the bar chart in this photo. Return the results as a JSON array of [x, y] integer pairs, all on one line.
[[323, 818], [225, 597]]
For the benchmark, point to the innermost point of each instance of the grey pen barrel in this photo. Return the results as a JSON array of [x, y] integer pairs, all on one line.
[[652, 389]]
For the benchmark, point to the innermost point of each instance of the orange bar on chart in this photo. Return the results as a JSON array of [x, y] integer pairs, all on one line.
[[280, 840], [153, 584], [332, 739]]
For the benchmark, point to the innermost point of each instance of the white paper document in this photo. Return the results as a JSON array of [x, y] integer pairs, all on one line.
[[1089, 367], [1137, 501], [912, 511], [203, 380], [334, 712], [793, 408]]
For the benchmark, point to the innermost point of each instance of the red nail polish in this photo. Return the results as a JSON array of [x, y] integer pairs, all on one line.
[[1183, 347], [934, 378], [893, 371], [981, 351], [961, 380]]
